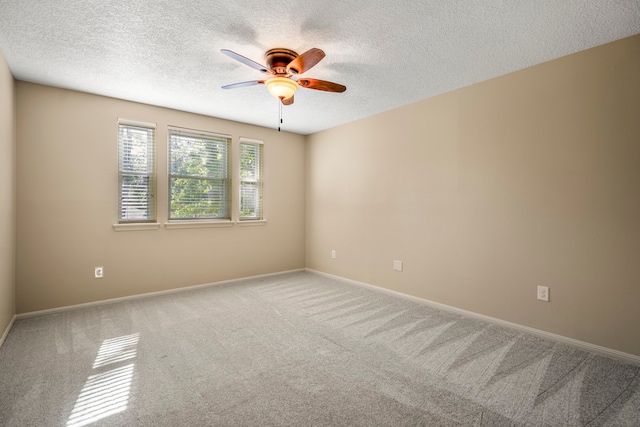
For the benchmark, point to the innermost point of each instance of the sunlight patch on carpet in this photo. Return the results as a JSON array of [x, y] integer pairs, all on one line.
[[107, 392]]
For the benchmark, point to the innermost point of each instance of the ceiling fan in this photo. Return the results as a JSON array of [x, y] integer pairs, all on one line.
[[283, 65]]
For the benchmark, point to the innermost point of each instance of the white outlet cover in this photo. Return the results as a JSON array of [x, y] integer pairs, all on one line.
[[99, 272], [397, 265], [543, 293]]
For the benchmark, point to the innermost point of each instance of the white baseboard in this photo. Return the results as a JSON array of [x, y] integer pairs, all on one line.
[[603, 351], [6, 331], [145, 295]]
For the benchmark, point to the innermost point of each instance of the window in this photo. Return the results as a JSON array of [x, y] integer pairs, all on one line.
[[136, 172], [198, 175], [250, 179]]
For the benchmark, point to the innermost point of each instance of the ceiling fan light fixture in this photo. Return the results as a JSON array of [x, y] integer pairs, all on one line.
[[281, 87]]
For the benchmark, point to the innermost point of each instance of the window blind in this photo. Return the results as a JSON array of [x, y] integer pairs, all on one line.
[[198, 175], [251, 165], [136, 172]]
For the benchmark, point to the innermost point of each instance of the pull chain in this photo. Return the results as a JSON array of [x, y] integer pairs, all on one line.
[[280, 117]]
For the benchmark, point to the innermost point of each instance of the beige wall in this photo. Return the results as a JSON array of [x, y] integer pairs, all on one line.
[[67, 203], [7, 196], [485, 193]]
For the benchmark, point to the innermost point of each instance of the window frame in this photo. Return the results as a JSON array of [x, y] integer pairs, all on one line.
[[226, 179], [259, 180], [151, 174]]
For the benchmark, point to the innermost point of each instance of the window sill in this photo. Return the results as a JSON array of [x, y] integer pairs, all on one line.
[[197, 224], [137, 226], [174, 225], [251, 223]]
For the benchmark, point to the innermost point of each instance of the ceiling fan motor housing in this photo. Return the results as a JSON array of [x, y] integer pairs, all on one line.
[[277, 60]]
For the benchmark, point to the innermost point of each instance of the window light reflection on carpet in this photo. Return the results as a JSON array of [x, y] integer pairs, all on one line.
[[107, 392]]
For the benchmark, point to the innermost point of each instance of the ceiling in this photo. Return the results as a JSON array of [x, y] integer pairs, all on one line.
[[387, 52]]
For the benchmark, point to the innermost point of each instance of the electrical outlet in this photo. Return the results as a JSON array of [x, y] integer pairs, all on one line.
[[99, 272], [333, 254], [543, 293], [397, 265]]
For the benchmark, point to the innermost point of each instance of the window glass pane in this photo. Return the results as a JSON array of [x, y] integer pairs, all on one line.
[[198, 157], [249, 161], [197, 198], [135, 195], [249, 200], [135, 155]]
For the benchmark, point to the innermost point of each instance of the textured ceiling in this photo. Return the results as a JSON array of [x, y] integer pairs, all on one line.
[[387, 52]]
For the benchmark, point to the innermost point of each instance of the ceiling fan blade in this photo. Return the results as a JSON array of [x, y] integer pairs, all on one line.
[[243, 84], [246, 61], [287, 101], [321, 85], [305, 61]]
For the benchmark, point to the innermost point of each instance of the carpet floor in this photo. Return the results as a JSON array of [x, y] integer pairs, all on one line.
[[299, 349]]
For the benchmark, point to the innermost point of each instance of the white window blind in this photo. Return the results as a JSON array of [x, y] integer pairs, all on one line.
[[251, 164], [198, 175], [136, 172]]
